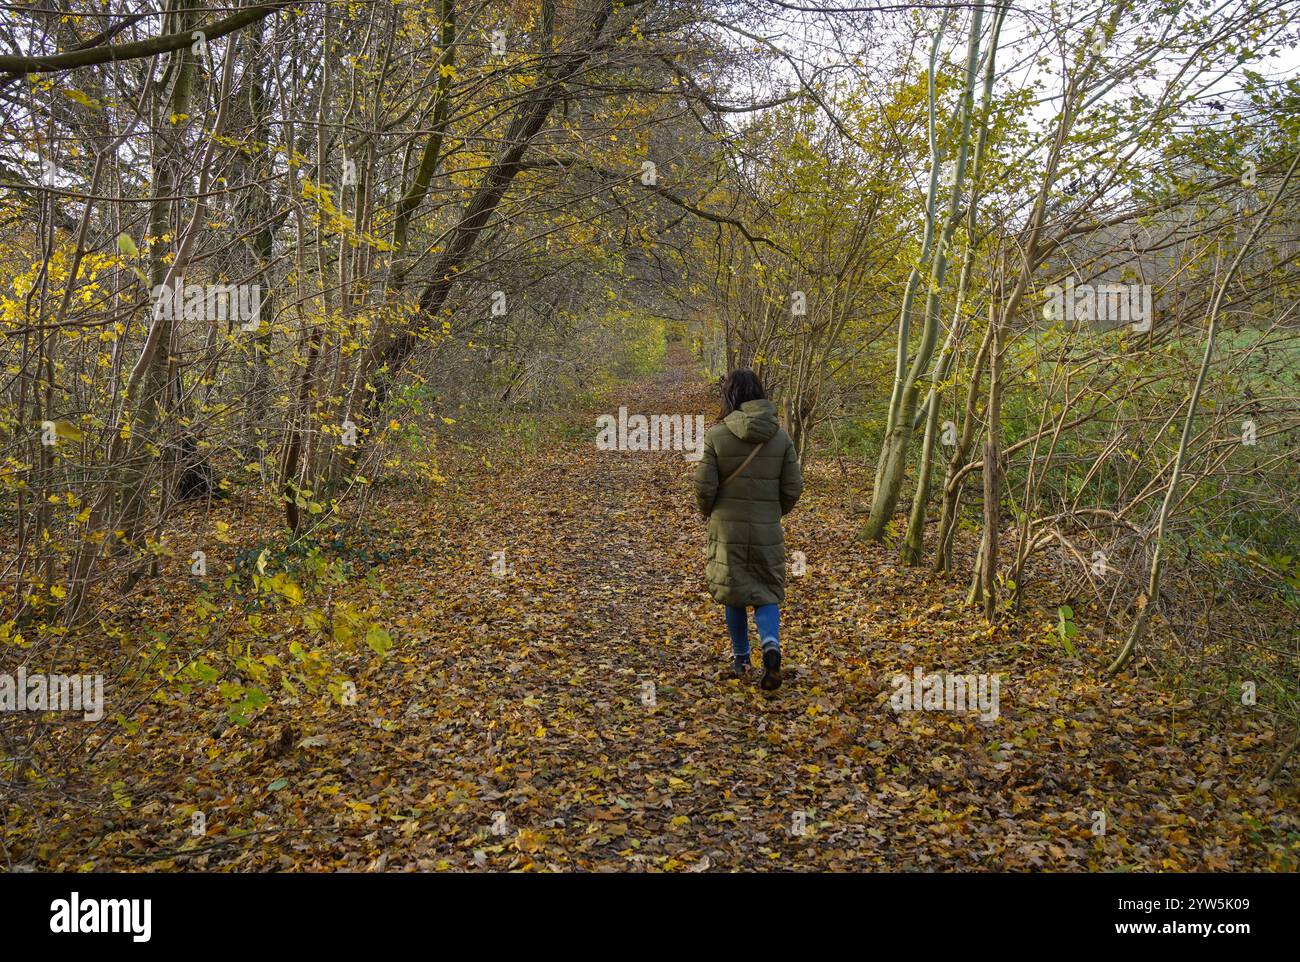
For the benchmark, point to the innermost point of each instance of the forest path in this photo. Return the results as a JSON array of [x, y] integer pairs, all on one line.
[[570, 714], [582, 721]]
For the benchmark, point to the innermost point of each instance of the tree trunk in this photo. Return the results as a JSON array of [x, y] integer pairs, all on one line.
[[898, 435], [914, 540], [988, 566]]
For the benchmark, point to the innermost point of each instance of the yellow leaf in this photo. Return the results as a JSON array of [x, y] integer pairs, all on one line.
[[291, 591], [67, 430], [528, 841], [82, 98]]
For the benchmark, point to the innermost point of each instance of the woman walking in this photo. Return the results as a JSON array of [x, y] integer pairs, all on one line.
[[747, 479]]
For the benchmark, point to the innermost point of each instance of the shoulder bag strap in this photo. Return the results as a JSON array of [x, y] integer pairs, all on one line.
[[744, 464]]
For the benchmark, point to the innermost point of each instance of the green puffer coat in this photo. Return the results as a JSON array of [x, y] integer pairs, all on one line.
[[746, 555]]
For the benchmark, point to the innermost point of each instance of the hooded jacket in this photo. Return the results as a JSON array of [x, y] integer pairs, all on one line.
[[746, 553]]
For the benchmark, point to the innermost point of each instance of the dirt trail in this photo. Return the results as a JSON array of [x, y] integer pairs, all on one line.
[[604, 604], [569, 714]]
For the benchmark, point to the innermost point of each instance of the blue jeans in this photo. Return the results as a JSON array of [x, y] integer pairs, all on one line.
[[766, 618]]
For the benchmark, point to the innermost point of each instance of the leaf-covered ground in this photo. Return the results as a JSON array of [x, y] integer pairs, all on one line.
[[570, 715]]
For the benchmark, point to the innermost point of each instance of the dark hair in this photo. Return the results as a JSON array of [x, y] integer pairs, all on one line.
[[738, 387]]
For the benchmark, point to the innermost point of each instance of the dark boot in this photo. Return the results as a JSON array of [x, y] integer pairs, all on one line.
[[771, 679]]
